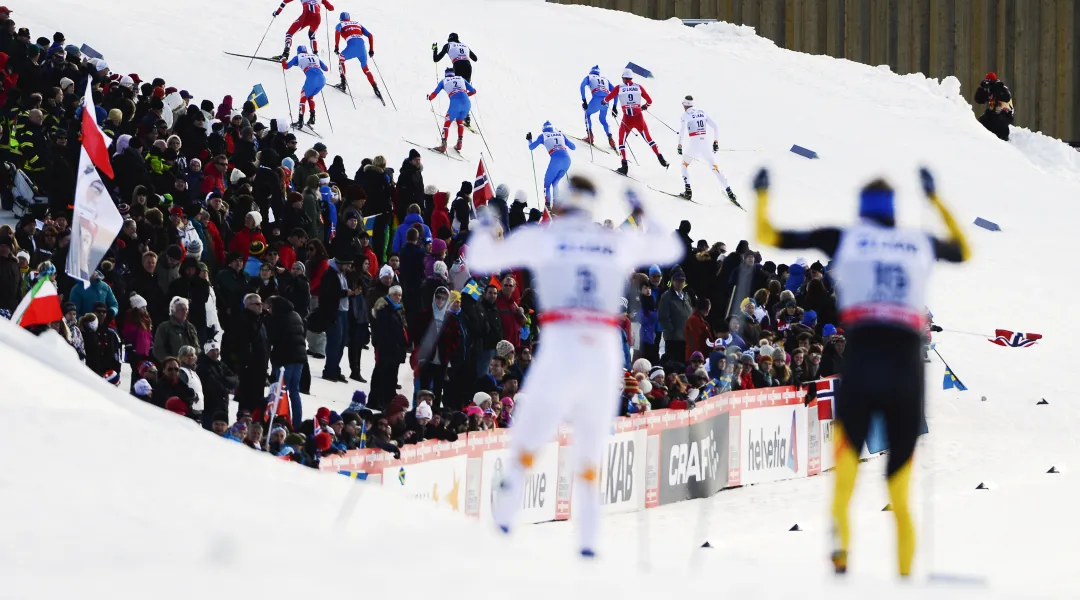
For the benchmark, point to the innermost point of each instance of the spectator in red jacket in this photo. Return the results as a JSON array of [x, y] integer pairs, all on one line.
[[697, 329], [511, 315], [242, 239], [214, 175], [440, 215]]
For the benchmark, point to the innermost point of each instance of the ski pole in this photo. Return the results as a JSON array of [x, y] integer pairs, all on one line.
[[481, 132], [326, 108], [348, 89], [326, 22], [388, 94], [588, 129], [661, 121], [536, 185], [257, 48], [628, 147], [438, 129], [287, 100]]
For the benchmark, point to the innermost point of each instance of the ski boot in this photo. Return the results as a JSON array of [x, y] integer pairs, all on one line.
[[311, 118], [299, 122], [663, 163], [588, 137], [731, 196], [342, 85], [611, 141], [378, 94], [687, 193], [839, 561], [457, 146], [284, 54], [624, 169], [441, 147], [468, 120]]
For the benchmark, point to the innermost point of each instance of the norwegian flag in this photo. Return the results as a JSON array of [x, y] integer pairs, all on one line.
[[826, 394], [482, 188], [1015, 339]]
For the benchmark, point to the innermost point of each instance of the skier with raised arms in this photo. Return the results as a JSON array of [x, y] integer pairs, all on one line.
[[695, 129], [354, 33], [599, 87], [630, 95], [458, 89], [580, 269], [311, 18], [883, 274], [314, 81], [558, 158], [461, 55]]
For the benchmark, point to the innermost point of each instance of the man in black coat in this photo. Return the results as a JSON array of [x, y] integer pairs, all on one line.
[[9, 275], [143, 281], [288, 349], [217, 382], [411, 184], [722, 297], [246, 340], [196, 290], [391, 345], [266, 185], [332, 315], [492, 329]]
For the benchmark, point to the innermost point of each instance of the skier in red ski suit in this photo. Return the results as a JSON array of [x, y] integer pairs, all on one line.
[[630, 96], [311, 17]]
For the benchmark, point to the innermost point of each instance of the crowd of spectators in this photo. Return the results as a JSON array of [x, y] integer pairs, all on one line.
[[244, 254]]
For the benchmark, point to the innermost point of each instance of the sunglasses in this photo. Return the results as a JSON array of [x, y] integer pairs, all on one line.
[[171, 369]]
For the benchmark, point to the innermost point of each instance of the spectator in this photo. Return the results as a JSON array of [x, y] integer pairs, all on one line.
[[332, 315], [378, 188], [188, 357], [247, 339], [486, 329], [391, 344], [697, 331], [218, 381], [832, 360], [196, 291], [169, 385], [288, 350], [410, 185], [176, 332], [462, 209], [674, 311], [243, 239], [168, 270], [511, 316], [84, 298], [412, 220], [452, 348], [998, 115]]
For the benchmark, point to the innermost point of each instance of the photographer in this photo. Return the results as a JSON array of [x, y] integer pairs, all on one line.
[[999, 107]]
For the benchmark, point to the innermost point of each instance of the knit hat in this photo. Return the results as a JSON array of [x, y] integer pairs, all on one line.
[[440, 269], [810, 318], [323, 441], [413, 153], [65, 82], [143, 389], [359, 401], [294, 439], [642, 365], [145, 367], [480, 398], [423, 411], [654, 270], [657, 371], [504, 348], [112, 377], [779, 355], [630, 384], [697, 356], [210, 346], [430, 190], [26, 255], [386, 271], [257, 248], [323, 414], [334, 417], [177, 406], [236, 176], [257, 217], [137, 301], [398, 405], [678, 275], [828, 330], [474, 411]]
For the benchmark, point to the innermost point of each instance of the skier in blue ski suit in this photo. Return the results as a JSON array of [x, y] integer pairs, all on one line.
[[559, 159], [354, 33], [314, 81], [598, 87], [458, 90]]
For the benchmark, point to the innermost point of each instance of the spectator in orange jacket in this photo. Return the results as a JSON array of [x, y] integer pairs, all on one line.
[[697, 329], [214, 173]]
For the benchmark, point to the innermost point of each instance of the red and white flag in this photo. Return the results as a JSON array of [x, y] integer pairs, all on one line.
[[96, 221], [40, 306], [1015, 339], [482, 188], [545, 217]]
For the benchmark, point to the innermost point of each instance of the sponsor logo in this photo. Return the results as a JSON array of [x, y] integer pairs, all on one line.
[[617, 472], [695, 461], [764, 453], [534, 491]]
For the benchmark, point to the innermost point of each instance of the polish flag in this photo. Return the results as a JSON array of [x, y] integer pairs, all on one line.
[[482, 188]]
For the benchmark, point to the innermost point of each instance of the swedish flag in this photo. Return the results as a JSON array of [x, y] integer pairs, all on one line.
[[472, 290], [258, 96], [369, 225], [951, 381]]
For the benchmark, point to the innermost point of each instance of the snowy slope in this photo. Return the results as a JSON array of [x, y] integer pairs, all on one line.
[[863, 121]]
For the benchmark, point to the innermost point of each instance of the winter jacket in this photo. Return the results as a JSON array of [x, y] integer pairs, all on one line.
[[388, 331], [10, 278], [217, 382], [510, 320], [410, 184], [438, 248], [377, 188], [197, 291], [140, 337], [165, 389], [673, 314], [649, 318], [462, 211], [440, 214], [242, 240], [285, 333], [170, 336], [85, 298], [246, 341], [403, 230], [697, 331], [297, 290], [230, 287], [330, 293], [312, 212], [832, 362], [146, 285]]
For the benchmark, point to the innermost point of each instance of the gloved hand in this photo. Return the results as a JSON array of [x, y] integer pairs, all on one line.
[[337, 51], [644, 107], [435, 47], [528, 136], [328, 5], [584, 105], [371, 53], [277, 12], [761, 180], [715, 146], [679, 149], [284, 64], [936, 328], [927, 181], [614, 111]]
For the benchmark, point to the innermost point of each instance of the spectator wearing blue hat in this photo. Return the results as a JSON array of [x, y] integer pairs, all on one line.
[[810, 319]]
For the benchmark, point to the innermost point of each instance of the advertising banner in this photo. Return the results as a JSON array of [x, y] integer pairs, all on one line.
[[774, 444], [441, 481], [539, 492], [622, 473], [694, 460]]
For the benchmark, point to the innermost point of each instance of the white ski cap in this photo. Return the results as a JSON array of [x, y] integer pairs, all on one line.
[[627, 73], [688, 101]]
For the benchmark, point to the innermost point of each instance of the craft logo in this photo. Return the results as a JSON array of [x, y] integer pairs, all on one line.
[[696, 461], [775, 452], [617, 472]]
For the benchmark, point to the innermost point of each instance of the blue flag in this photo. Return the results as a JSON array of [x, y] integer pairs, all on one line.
[[369, 225], [472, 290], [951, 381], [258, 96]]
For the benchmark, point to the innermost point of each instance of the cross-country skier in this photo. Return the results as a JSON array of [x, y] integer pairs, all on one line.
[[695, 127], [599, 87], [883, 273], [458, 90], [314, 69], [462, 57], [354, 33], [310, 18], [558, 158], [630, 96], [581, 270]]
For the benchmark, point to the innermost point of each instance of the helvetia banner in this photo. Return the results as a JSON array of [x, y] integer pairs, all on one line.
[[694, 460], [774, 444]]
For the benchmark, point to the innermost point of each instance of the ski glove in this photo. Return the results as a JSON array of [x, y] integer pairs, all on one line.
[[337, 51], [328, 5], [284, 64], [277, 12], [927, 181], [584, 105], [371, 53], [936, 328], [614, 111], [644, 107], [679, 150], [528, 136], [715, 146], [435, 47]]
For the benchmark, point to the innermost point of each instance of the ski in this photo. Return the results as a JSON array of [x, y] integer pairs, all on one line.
[[306, 129], [605, 150], [626, 176], [340, 89], [680, 196], [266, 58], [447, 154]]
